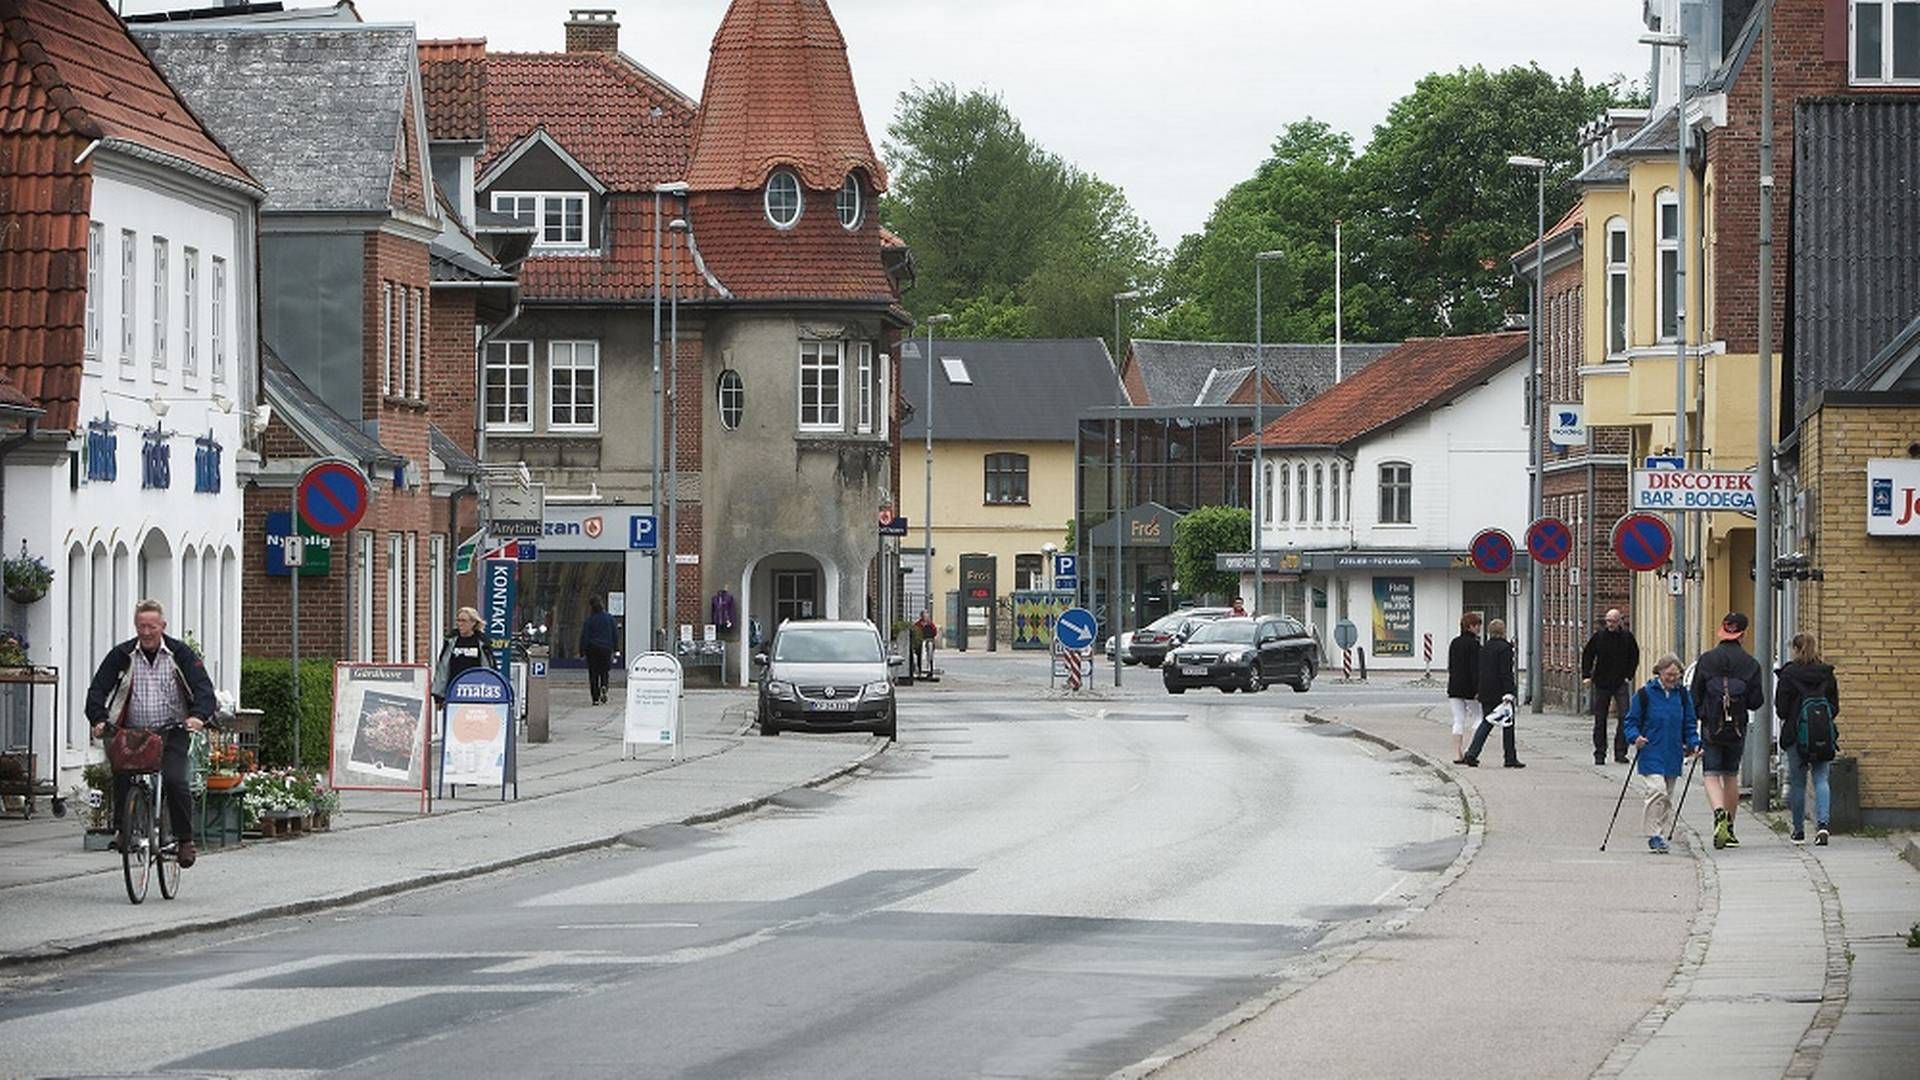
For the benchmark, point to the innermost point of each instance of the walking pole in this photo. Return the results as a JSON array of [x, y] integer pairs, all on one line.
[[1622, 801], [1692, 763]]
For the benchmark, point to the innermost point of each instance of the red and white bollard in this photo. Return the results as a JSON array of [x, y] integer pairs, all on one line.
[[1346, 665], [1426, 651]]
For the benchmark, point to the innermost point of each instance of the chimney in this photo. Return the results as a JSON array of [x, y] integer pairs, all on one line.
[[592, 30]]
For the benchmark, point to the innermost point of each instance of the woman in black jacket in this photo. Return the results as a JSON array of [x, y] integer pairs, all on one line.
[[1807, 676], [1497, 688], [1463, 682]]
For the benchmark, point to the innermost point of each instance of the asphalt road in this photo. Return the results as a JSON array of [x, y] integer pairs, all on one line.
[[1019, 888]]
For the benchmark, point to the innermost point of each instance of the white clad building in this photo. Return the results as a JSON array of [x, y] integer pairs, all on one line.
[[1372, 492], [142, 360]]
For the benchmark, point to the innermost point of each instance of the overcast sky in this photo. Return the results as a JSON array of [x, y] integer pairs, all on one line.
[[1174, 102]]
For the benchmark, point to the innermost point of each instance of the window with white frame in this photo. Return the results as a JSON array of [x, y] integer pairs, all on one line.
[[1886, 41], [868, 392], [1266, 495], [160, 303], [1617, 290], [1285, 474], [419, 344], [396, 575], [820, 367], [1668, 216], [507, 390], [217, 342], [129, 284], [190, 310], [1300, 489], [1333, 494], [96, 250], [1319, 495], [1006, 479], [1396, 493], [436, 590], [386, 337], [573, 386], [783, 199], [847, 202], [561, 216], [363, 594], [410, 647], [731, 396]]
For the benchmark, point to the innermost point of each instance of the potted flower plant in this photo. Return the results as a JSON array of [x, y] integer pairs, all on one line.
[[326, 802], [95, 793], [27, 576], [13, 648]]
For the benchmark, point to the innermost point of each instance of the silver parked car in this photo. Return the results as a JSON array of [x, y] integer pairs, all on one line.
[[827, 676]]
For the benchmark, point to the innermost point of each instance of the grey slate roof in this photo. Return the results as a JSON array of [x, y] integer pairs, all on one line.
[[1897, 367], [312, 111], [1856, 237], [452, 457], [1659, 135], [316, 422], [1177, 372], [1021, 390]]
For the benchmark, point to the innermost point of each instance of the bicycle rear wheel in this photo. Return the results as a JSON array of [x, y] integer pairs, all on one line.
[[166, 862], [136, 840]]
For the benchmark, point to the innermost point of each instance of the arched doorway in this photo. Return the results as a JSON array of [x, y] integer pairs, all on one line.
[[158, 575], [785, 585]]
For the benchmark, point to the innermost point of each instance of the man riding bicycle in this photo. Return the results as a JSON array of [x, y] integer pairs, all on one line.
[[155, 682]]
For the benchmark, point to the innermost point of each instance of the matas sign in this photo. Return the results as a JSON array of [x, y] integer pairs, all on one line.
[[1695, 490]]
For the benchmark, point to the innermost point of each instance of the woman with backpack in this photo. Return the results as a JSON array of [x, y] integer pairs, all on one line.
[[1806, 697], [1660, 723]]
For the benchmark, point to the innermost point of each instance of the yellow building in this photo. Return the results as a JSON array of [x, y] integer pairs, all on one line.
[[1004, 421], [1631, 202]]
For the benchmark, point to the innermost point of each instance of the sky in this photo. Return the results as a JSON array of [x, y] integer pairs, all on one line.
[[1173, 102]]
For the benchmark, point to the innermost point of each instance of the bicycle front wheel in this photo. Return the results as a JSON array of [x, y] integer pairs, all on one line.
[[166, 861], [136, 840]]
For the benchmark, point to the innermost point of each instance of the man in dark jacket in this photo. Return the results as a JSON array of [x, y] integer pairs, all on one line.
[[155, 682], [1497, 687], [1726, 689], [1463, 683], [597, 638], [1608, 664]]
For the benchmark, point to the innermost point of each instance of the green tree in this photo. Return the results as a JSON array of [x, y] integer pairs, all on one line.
[[1007, 237], [1200, 536]]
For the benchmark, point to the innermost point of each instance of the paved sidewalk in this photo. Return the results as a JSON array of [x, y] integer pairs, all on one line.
[[576, 794], [1549, 958]]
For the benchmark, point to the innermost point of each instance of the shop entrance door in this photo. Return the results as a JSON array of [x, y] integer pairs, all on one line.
[[1489, 598], [796, 595]]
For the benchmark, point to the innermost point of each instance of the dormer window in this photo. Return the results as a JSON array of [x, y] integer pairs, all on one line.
[[848, 203], [561, 216], [783, 199]]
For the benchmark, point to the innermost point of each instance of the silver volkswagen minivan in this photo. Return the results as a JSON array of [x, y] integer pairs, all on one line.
[[827, 676]]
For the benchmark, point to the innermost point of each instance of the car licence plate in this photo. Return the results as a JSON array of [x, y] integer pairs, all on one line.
[[830, 706], [1190, 669]]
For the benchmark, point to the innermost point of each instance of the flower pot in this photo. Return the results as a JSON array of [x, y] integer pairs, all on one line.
[[26, 596], [224, 781], [322, 820]]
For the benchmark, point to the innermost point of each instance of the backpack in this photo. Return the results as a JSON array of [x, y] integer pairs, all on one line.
[[1723, 722], [1818, 741]]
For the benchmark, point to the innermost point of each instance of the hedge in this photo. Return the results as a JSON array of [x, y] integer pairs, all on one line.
[[264, 685]]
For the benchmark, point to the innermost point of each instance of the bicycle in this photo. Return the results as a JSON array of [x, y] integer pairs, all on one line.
[[148, 848]]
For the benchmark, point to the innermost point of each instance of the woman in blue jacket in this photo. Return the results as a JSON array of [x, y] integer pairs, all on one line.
[[1660, 723]]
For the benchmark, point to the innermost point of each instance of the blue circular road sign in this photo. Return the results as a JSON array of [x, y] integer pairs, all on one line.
[[1492, 551], [1075, 628], [332, 497], [1549, 541], [1642, 541]]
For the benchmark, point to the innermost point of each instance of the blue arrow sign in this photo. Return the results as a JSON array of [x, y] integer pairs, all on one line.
[[1075, 628]]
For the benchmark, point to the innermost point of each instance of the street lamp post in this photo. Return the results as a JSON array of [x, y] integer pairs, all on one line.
[[1677, 41], [678, 226], [1536, 406], [660, 618], [1259, 499], [1118, 587], [927, 525], [1764, 635]]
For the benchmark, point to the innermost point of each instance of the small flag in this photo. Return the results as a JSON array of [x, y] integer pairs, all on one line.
[[463, 556]]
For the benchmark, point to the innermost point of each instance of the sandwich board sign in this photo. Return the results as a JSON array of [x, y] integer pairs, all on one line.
[[655, 681]]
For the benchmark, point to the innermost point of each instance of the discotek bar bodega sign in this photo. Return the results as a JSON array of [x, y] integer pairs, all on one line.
[[1693, 489]]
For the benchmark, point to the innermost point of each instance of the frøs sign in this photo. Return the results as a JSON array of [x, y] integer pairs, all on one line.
[[1893, 497]]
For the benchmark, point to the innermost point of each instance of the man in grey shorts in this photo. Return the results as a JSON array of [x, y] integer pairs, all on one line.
[[1726, 689]]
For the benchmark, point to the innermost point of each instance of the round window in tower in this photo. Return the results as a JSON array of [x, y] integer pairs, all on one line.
[[783, 199], [732, 398], [848, 203]]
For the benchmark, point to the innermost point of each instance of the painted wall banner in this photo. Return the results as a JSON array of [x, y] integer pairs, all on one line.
[[1893, 497], [1393, 616], [1569, 427], [475, 726], [380, 727], [318, 548], [1695, 490], [1034, 614]]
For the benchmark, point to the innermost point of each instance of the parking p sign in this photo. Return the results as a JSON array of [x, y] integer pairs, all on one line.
[[1066, 572], [643, 533]]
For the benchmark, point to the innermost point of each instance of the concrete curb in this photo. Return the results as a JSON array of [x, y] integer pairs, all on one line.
[[1911, 852], [1347, 942], [64, 950]]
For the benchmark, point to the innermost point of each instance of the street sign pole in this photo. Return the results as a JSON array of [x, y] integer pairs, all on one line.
[[293, 578], [336, 493], [1759, 772]]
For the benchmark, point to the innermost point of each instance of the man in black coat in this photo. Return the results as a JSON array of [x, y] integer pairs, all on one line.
[[1608, 665], [1497, 688], [1463, 683]]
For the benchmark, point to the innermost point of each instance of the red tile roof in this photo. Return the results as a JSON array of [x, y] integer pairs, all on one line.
[[11, 396], [453, 75], [626, 127], [814, 260], [1569, 221], [1418, 375], [624, 270], [101, 83], [779, 92], [69, 74]]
